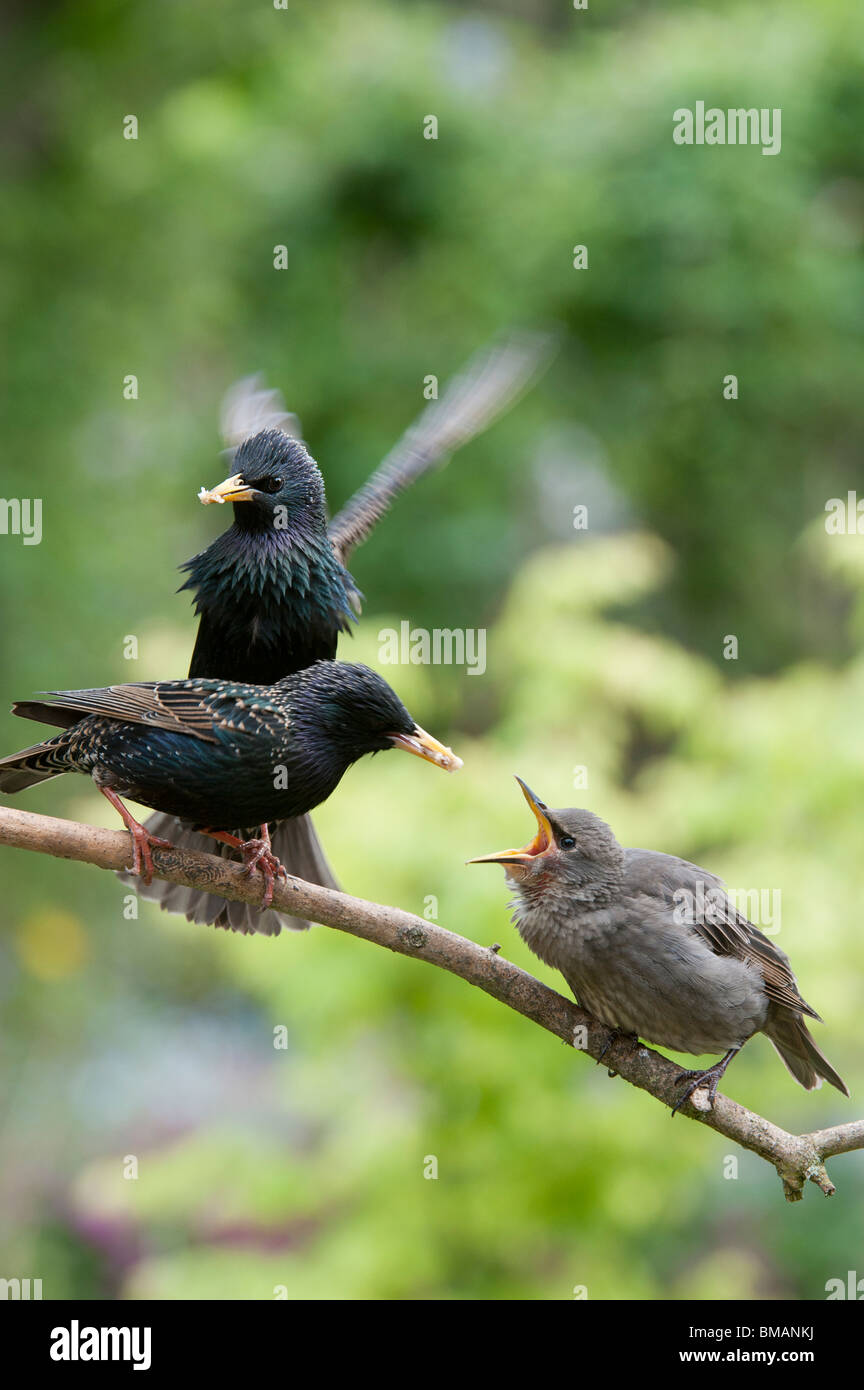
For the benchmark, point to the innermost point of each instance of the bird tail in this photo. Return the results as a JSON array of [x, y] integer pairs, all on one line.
[[295, 844], [799, 1053], [37, 764]]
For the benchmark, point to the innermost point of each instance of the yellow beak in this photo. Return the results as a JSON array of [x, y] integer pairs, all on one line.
[[541, 844], [234, 489], [423, 745]]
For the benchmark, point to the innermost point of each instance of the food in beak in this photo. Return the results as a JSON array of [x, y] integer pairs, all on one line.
[[423, 745], [233, 489], [542, 842]]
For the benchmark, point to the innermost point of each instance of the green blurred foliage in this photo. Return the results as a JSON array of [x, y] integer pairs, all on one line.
[[304, 128], [303, 1169]]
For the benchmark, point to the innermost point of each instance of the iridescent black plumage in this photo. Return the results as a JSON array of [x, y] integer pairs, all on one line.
[[220, 753], [272, 591], [271, 594], [272, 597]]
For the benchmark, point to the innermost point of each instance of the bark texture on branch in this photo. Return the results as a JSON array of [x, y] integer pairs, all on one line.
[[798, 1158]]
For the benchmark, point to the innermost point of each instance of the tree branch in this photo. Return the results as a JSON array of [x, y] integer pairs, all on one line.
[[798, 1158]]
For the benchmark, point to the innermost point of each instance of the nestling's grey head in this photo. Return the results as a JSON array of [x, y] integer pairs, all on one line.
[[573, 850]]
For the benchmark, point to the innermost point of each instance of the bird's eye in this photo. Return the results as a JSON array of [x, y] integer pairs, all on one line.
[[566, 842], [268, 485]]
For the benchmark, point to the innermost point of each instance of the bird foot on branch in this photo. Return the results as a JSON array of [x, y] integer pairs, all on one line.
[[143, 843], [257, 854], [710, 1077], [615, 1035]]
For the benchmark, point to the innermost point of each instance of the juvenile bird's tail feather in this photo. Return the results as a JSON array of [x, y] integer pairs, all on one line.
[[799, 1052], [295, 844]]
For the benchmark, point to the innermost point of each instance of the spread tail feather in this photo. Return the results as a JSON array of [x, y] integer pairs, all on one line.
[[294, 843], [799, 1052]]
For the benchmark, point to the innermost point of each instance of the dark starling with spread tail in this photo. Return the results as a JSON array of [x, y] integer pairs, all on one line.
[[221, 754], [652, 947], [272, 591]]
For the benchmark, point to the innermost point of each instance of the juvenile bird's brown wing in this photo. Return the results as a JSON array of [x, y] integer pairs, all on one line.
[[697, 898], [700, 903], [490, 383], [729, 933], [780, 983]]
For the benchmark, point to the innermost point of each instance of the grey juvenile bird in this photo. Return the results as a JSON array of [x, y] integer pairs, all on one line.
[[652, 947]]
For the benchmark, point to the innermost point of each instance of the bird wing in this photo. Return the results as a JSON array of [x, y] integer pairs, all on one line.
[[249, 407], [729, 933], [490, 383], [698, 899], [703, 906], [181, 706], [780, 983]]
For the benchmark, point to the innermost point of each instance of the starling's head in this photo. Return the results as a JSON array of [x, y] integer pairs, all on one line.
[[572, 849], [355, 712], [275, 481]]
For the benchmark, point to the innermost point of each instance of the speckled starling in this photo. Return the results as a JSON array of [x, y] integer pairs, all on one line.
[[221, 754]]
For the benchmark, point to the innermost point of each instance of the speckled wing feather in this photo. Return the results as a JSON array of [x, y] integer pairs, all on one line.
[[490, 383], [189, 707]]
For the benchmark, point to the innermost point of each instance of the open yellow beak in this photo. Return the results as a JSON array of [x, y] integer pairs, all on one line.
[[423, 745], [541, 844], [234, 489]]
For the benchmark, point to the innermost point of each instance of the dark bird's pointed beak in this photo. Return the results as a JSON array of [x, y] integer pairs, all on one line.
[[541, 844], [233, 489], [423, 745]]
